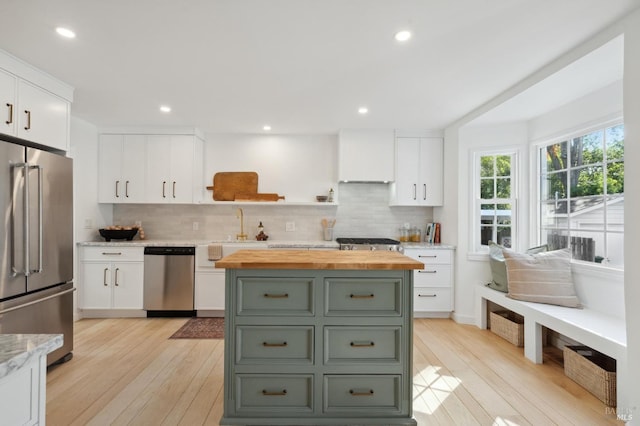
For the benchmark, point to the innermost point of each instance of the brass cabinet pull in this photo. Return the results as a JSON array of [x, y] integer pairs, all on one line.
[[427, 295], [117, 189], [283, 392], [363, 344], [361, 393], [126, 189], [10, 120], [116, 280], [427, 272], [104, 276], [164, 186], [28, 126], [431, 256], [174, 189], [276, 296], [362, 296], [274, 345]]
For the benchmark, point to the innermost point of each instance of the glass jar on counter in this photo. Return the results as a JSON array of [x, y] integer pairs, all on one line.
[[403, 235], [414, 235]]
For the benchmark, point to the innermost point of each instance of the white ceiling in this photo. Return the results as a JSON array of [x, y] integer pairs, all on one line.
[[302, 66]]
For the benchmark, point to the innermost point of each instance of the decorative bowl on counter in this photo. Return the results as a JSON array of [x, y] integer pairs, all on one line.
[[118, 234], [321, 198]]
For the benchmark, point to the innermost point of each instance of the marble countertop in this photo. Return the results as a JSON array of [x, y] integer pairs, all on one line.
[[16, 350], [423, 245], [176, 243]]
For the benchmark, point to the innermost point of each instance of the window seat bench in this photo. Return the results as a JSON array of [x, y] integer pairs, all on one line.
[[602, 332]]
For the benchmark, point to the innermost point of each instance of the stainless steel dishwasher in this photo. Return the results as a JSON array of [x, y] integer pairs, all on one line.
[[169, 278]]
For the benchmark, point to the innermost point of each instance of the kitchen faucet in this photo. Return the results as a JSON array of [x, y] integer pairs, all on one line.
[[241, 236]]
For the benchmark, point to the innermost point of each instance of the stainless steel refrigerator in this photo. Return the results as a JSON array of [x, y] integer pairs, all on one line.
[[36, 252]]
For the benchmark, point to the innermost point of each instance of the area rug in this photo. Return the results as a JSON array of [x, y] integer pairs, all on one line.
[[201, 328]]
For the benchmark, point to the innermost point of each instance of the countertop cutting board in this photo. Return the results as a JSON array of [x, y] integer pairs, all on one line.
[[227, 184]]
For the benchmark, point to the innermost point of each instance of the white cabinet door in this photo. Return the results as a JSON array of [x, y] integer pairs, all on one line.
[[96, 285], [170, 169], [8, 103], [209, 291], [42, 117], [133, 162], [419, 169], [431, 171], [128, 279]]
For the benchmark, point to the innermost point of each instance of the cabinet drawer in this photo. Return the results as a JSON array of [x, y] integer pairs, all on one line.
[[433, 276], [285, 344], [267, 394], [274, 296], [363, 296], [113, 253], [362, 344], [430, 257], [352, 393], [432, 299]]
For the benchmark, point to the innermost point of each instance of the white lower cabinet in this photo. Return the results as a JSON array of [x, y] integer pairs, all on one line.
[[209, 292], [433, 285], [111, 278], [23, 394]]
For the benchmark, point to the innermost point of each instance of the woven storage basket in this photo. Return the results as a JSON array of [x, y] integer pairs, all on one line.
[[509, 326], [593, 371]]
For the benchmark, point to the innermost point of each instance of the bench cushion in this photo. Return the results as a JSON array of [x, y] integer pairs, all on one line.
[[541, 278]]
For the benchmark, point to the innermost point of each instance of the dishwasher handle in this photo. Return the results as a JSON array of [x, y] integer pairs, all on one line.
[[169, 251]]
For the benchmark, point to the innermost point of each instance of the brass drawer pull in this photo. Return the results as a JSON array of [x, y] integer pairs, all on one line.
[[274, 345], [274, 393], [427, 295], [427, 272], [363, 345], [276, 296], [362, 296], [361, 393]]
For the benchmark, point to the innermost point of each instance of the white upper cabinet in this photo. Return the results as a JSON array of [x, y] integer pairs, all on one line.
[[121, 167], [419, 172], [366, 155], [35, 106], [174, 169]]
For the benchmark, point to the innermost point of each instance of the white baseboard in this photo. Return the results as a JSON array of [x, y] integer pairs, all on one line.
[[113, 313], [463, 319]]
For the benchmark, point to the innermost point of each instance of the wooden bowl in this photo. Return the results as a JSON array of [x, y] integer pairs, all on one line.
[[321, 198]]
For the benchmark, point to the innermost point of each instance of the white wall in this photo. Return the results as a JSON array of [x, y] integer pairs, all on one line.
[[296, 166]]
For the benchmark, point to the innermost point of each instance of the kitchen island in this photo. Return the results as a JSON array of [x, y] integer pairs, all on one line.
[[318, 337]]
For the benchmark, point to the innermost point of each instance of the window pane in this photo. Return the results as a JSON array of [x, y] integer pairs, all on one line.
[[587, 149], [503, 188], [486, 235], [554, 157], [587, 213], [504, 236], [587, 181], [615, 213], [615, 142], [486, 166], [583, 246], [615, 178], [503, 165], [553, 215], [553, 186], [555, 240], [486, 189], [615, 250]]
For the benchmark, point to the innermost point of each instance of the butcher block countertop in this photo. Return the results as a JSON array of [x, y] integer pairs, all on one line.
[[312, 259]]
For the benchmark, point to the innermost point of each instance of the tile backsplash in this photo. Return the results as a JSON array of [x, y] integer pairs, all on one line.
[[363, 211]]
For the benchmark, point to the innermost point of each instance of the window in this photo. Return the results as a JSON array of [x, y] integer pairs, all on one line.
[[495, 199], [581, 197]]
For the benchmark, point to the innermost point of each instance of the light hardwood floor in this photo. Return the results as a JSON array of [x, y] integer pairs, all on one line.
[[128, 371]]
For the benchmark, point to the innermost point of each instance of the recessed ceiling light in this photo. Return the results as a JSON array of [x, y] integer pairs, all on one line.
[[403, 35], [363, 110], [266, 128], [165, 108], [65, 32]]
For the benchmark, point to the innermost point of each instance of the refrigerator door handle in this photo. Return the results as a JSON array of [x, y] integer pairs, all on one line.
[[40, 170], [24, 305], [25, 221]]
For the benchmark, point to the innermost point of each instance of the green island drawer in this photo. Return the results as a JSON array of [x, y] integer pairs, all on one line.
[[363, 296], [362, 393], [274, 395], [362, 344], [275, 344], [274, 296]]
